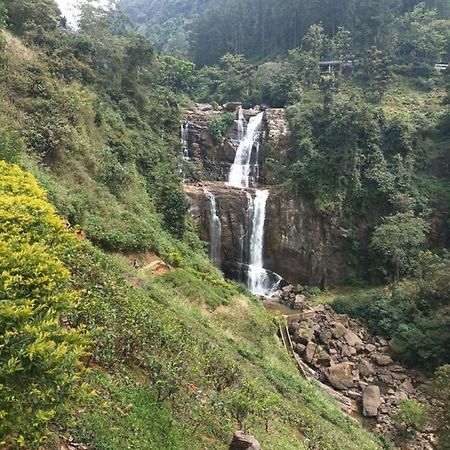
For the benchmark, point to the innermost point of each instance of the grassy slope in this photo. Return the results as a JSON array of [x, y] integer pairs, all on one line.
[[208, 354]]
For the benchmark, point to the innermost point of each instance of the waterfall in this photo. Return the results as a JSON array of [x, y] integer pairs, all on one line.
[[250, 239], [215, 230], [240, 170], [184, 140], [241, 125], [184, 134], [259, 279]]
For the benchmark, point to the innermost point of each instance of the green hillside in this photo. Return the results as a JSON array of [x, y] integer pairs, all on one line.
[[178, 361], [116, 331]]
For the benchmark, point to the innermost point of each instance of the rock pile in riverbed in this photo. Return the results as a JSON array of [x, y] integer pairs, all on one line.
[[347, 357]]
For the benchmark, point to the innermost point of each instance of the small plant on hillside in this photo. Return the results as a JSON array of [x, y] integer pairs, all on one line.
[[11, 146], [242, 403]]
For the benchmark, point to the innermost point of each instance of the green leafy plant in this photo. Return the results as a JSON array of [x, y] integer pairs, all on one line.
[[411, 416], [219, 127], [40, 362]]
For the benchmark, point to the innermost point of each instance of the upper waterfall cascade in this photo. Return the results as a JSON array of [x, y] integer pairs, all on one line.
[[241, 169], [184, 133]]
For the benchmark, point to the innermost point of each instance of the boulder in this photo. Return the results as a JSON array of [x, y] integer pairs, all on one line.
[[204, 107], [299, 349], [382, 341], [352, 339], [346, 351], [340, 376], [298, 302], [232, 106], [385, 377], [366, 369], [303, 334], [243, 441], [370, 348], [293, 327], [342, 319], [338, 330], [400, 395], [382, 360], [310, 352], [407, 387], [399, 376], [322, 358], [324, 337], [371, 400]]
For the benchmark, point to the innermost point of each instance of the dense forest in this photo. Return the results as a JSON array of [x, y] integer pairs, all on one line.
[[261, 30], [98, 352]]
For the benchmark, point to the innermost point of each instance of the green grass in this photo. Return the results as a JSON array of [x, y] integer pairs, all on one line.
[[127, 417]]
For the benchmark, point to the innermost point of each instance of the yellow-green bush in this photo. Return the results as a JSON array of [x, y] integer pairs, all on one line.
[[40, 367]]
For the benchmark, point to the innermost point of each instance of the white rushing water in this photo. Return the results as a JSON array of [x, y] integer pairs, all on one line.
[[259, 279], [241, 123], [215, 230], [184, 140], [184, 136], [240, 170]]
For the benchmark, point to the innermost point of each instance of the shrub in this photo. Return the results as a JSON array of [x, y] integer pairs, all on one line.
[[219, 127], [172, 204], [411, 416], [439, 388], [40, 365], [410, 313], [11, 146]]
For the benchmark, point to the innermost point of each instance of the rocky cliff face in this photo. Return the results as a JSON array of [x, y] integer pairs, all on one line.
[[300, 244]]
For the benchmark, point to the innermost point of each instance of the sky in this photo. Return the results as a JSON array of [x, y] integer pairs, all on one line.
[[70, 9]]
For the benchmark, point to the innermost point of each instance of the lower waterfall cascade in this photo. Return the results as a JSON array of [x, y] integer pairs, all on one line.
[[259, 281], [215, 230]]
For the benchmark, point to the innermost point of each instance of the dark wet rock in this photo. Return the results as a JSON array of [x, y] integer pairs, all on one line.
[[299, 349], [324, 337], [293, 326]]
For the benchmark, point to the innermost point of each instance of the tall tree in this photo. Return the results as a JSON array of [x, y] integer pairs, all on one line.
[[27, 16], [399, 239]]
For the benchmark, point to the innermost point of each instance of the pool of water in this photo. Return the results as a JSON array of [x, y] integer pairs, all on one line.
[[277, 307]]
